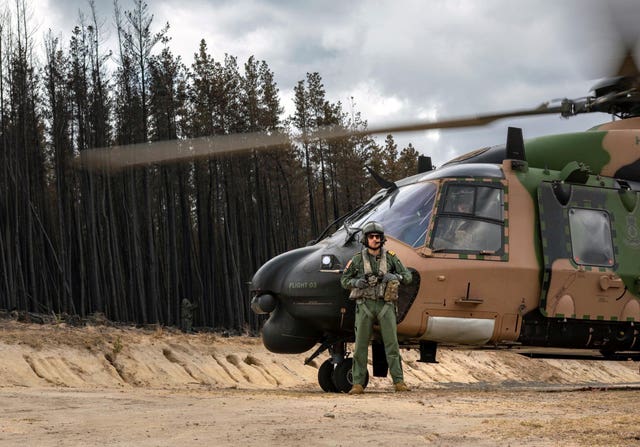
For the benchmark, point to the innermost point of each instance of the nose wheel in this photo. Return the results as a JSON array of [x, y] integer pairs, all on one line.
[[338, 378]]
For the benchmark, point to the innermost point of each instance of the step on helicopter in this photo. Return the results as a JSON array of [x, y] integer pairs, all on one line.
[[530, 242]]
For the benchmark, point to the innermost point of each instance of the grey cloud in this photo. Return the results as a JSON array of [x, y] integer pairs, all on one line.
[[467, 57]]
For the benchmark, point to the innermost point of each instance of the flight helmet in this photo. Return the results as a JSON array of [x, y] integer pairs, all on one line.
[[372, 227]]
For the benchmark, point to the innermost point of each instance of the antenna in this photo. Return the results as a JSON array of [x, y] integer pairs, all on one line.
[[515, 144]]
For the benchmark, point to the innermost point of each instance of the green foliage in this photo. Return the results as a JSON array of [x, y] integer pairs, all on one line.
[[117, 347]]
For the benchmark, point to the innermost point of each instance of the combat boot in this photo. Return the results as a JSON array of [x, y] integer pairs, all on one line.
[[356, 389], [400, 386]]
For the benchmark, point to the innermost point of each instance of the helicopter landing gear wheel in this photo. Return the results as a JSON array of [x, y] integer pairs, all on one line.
[[343, 376], [325, 379]]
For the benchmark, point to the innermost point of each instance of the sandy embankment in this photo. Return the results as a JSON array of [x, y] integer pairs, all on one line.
[[101, 385], [109, 357]]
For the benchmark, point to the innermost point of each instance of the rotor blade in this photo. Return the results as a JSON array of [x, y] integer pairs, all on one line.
[[471, 121], [119, 157]]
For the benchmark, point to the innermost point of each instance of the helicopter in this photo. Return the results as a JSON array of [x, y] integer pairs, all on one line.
[[548, 257]]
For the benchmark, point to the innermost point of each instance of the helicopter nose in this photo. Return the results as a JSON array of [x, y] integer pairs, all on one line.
[[263, 304]]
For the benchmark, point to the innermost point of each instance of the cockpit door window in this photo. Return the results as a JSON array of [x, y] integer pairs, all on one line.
[[471, 219]]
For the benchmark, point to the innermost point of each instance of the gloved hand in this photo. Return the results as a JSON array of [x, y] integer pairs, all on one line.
[[391, 277], [360, 283]]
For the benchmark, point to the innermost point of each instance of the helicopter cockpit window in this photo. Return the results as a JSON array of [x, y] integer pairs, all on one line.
[[471, 219], [591, 237], [405, 214]]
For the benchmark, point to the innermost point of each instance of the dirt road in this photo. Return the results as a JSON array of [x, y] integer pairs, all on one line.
[[143, 417]]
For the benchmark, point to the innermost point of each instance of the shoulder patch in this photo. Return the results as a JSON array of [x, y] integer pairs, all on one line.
[[392, 253], [348, 265]]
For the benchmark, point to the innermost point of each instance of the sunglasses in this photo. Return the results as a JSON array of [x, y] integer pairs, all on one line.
[[374, 236]]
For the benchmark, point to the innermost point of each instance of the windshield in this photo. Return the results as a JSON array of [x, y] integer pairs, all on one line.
[[405, 213]]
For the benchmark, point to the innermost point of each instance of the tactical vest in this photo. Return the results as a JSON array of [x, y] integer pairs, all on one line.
[[377, 289]]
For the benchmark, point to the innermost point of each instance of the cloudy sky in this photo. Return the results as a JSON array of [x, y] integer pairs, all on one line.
[[402, 60]]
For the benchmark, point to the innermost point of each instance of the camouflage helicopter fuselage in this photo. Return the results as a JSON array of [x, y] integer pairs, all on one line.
[[541, 290], [550, 257]]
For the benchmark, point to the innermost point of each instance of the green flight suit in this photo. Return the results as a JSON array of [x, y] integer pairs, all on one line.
[[373, 308]]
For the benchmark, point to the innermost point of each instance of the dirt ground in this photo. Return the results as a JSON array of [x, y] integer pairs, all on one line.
[[103, 385]]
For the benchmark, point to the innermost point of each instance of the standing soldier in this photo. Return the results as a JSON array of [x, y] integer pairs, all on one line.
[[186, 312], [373, 275]]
